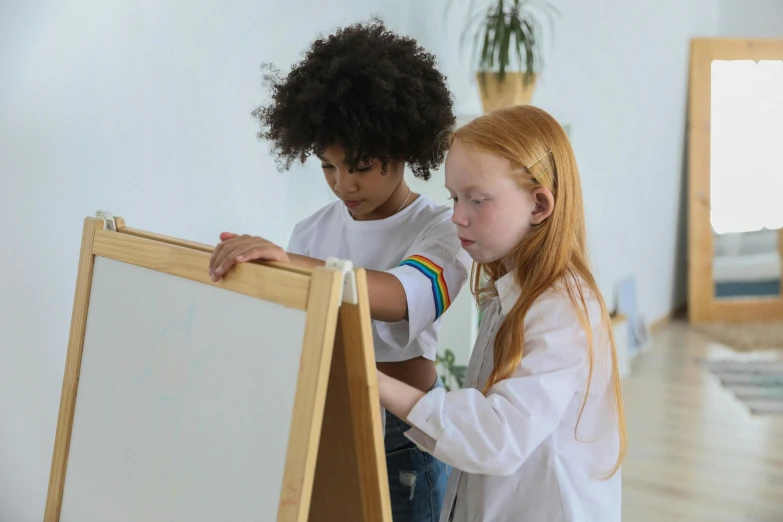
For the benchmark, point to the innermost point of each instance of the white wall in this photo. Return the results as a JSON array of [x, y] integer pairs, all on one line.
[[142, 108], [616, 71], [750, 18]]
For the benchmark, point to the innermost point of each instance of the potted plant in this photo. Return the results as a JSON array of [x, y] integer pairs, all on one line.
[[452, 374], [507, 49]]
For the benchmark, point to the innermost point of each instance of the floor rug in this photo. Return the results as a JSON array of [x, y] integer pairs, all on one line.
[[757, 384], [745, 337]]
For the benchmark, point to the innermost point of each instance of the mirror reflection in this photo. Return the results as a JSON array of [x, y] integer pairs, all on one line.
[[746, 177]]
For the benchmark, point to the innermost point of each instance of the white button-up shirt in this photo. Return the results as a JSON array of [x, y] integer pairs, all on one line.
[[515, 452]]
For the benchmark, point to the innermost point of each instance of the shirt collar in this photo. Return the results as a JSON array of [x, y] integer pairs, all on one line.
[[508, 292]]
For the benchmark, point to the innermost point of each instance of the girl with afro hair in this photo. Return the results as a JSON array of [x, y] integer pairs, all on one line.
[[366, 102]]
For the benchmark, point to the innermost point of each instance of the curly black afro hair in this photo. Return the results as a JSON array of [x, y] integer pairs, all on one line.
[[376, 94]]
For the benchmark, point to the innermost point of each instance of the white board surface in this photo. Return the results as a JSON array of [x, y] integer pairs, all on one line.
[[184, 403]]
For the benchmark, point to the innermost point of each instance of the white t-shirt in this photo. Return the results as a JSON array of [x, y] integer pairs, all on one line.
[[418, 245]]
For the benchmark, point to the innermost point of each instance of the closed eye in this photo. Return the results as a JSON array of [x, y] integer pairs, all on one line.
[[330, 167], [475, 201]]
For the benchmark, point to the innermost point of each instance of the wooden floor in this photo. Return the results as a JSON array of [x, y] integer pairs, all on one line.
[[695, 452]]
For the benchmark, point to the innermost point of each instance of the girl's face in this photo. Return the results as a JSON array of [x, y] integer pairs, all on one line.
[[491, 211], [367, 193]]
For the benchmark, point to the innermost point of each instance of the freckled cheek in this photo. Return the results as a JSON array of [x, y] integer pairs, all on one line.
[[501, 232], [491, 227]]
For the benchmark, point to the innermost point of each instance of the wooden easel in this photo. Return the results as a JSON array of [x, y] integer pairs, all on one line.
[[335, 466]]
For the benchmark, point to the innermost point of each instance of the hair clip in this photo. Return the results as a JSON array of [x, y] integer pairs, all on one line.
[[536, 176]]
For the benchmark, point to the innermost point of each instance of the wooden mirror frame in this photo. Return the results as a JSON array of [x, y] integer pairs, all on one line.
[[703, 307]]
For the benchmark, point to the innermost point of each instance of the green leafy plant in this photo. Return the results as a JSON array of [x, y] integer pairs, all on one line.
[[453, 375], [507, 33]]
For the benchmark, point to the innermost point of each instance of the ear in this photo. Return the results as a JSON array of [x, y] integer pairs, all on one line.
[[544, 205]]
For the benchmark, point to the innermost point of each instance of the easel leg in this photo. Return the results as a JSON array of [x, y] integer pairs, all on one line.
[[351, 482], [337, 490]]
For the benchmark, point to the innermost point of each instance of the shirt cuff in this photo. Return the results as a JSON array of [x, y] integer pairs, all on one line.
[[423, 297], [426, 420]]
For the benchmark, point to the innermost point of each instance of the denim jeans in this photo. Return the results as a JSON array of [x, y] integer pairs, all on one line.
[[417, 480]]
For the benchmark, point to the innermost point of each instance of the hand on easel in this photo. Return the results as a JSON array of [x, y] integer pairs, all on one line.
[[234, 248]]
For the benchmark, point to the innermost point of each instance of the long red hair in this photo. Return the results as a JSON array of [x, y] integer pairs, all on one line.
[[554, 251]]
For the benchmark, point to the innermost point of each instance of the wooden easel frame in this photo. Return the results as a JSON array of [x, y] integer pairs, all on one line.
[[339, 377], [703, 306]]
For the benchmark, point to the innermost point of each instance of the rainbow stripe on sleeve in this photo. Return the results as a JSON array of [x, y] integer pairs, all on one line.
[[440, 292]]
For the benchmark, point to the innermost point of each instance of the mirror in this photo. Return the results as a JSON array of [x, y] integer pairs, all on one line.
[[735, 174], [746, 177]]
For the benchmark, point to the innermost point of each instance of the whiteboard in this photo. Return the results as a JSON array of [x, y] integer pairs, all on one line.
[[184, 402]]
